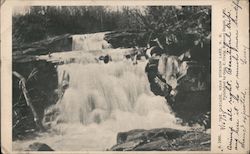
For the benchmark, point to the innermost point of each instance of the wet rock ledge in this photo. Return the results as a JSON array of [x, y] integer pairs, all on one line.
[[162, 139]]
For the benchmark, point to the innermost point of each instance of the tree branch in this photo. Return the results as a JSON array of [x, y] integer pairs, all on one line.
[[22, 84]]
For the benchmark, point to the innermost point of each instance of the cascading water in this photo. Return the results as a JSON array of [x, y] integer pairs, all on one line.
[[89, 42], [102, 100]]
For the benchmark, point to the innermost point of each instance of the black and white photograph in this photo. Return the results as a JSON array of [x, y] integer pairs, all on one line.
[[111, 78]]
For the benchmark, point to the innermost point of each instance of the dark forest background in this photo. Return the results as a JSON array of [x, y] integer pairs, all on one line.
[[181, 26]]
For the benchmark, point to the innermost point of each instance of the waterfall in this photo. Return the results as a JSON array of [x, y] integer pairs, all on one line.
[[103, 99], [89, 42], [97, 91]]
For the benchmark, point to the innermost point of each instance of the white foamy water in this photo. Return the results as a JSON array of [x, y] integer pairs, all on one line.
[[89, 42], [102, 100]]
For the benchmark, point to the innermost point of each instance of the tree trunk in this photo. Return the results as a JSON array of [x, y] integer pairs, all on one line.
[[28, 99]]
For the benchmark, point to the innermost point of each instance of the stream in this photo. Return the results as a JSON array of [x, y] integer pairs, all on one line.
[[101, 99]]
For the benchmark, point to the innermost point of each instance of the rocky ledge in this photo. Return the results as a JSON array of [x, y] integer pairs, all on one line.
[[162, 139]]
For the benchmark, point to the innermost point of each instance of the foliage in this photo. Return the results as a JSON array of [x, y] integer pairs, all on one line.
[[178, 28], [40, 22]]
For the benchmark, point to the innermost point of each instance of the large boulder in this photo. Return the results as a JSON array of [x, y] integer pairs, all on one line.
[[162, 139]]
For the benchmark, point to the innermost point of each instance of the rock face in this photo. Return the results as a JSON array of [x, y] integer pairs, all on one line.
[[162, 139], [192, 103], [37, 146], [190, 99]]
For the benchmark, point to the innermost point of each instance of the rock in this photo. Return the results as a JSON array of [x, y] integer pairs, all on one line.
[[145, 135], [159, 145], [37, 146], [55, 44], [107, 58], [126, 39], [162, 139], [190, 99], [127, 146], [123, 136], [157, 83]]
